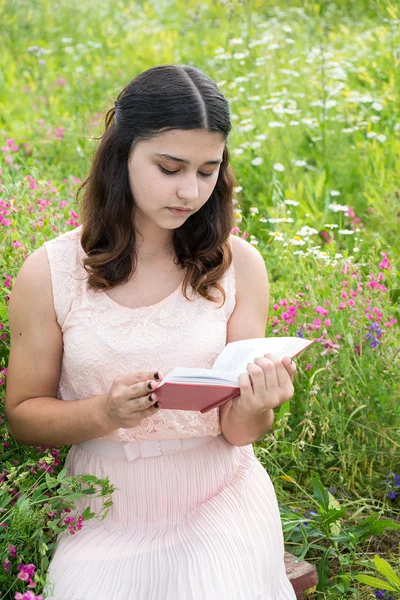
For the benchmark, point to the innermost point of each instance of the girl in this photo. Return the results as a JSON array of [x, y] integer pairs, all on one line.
[[153, 280]]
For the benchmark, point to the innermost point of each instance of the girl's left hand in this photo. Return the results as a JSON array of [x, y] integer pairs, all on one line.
[[267, 384]]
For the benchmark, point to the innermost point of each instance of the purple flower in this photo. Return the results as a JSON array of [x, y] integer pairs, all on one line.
[[392, 495], [382, 594]]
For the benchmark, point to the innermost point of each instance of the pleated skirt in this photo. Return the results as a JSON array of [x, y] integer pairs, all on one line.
[[196, 524]]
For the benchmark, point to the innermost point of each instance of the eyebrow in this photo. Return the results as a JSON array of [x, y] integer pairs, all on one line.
[[186, 162]]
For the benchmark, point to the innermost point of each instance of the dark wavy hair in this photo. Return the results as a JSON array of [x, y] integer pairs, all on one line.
[[160, 99]]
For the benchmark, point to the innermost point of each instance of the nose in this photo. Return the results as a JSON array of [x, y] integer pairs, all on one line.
[[189, 190]]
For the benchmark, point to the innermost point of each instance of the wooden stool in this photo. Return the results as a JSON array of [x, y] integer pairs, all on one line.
[[302, 575]]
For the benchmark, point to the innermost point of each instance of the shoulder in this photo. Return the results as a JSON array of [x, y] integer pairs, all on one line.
[[250, 269], [63, 250], [249, 317]]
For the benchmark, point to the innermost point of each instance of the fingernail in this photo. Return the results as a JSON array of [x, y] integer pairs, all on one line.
[[149, 386], [156, 376], [156, 404], [151, 398]]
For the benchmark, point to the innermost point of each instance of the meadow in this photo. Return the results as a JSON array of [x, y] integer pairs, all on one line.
[[314, 96]]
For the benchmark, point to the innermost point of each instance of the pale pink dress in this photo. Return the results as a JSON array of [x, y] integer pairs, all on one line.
[[197, 524]]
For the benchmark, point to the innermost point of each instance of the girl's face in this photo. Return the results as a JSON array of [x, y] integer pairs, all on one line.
[[190, 185]]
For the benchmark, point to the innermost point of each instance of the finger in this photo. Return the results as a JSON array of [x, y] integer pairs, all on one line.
[[282, 373], [246, 397], [259, 380], [290, 366], [143, 403], [286, 388], [132, 378], [140, 389], [270, 375]]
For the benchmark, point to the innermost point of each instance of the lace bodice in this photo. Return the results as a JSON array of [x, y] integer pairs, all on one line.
[[102, 339]]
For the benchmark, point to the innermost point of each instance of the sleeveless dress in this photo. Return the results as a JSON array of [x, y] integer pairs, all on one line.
[[197, 524]]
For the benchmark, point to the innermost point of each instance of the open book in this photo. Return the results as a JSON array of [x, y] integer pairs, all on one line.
[[204, 389]]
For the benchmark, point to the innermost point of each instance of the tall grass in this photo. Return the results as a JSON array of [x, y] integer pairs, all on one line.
[[314, 95]]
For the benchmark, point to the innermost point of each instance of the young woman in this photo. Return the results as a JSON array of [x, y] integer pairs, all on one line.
[[153, 280]]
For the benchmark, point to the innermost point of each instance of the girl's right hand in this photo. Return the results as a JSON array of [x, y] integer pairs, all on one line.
[[128, 400]]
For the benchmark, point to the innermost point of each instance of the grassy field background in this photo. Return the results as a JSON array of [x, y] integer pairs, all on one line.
[[314, 95]]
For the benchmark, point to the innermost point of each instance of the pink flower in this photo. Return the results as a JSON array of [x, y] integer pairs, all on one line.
[[344, 294], [60, 132], [6, 565], [12, 551], [350, 302], [321, 311], [317, 323], [308, 366], [16, 244], [325, 236], [385, 264], [328, 322], [27, 596], [28, 569]]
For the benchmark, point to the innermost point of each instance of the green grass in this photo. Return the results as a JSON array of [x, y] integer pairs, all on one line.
[[314, 96]]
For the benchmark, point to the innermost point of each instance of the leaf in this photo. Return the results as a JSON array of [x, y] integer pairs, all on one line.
[[50, 481], [61, 475], [333, 503], [311, 380], [386, 570], [44, 563], [355, 411], [319, 184], [319, 491], [374, 582], [286, 478], [304, 538], [323, 571], [283, 409], [344, 581], [87, 514], [350, 339], [373, 526]]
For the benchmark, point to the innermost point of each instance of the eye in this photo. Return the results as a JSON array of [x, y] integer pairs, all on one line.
[[173, 172]]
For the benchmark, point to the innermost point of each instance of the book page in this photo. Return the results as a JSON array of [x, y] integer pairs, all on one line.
[[200, 375], [236, 355]]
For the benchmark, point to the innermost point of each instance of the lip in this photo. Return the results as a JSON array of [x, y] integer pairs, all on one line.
[[179, 211], [181, 208]]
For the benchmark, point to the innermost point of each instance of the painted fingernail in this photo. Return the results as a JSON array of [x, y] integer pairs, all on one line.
[[149, 386], [157, 404], [156, 376], [151, 398]]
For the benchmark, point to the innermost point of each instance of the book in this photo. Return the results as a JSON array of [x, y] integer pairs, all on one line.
[[198, 389]]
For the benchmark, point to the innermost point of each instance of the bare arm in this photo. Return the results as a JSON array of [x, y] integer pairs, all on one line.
[[35, 415], [248, 320]]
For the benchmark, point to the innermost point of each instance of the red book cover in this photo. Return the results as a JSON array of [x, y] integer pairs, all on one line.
[[194, 396], [204, 396]]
